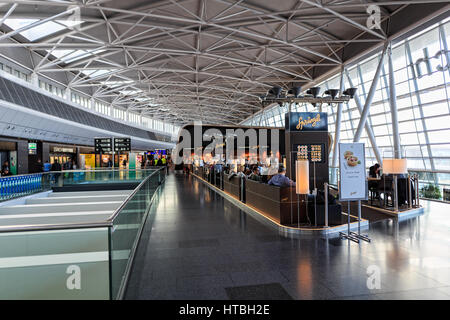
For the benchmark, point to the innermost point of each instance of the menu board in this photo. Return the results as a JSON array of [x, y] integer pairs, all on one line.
[[122, 144], [352, 172], [311, 152], [103, 145]]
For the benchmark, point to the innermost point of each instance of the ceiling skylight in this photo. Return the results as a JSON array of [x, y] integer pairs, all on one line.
[[69, 56], [41, 30]]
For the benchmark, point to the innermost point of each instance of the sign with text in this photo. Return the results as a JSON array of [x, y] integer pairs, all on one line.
[[122, 144], [103, 145], [306, 121], [32, 148], [352, 172]]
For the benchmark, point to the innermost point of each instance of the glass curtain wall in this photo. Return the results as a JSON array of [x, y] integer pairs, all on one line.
[[422, 77]]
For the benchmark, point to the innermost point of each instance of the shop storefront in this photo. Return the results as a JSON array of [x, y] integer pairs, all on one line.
[[65, 155], [8, 156], [86, 158]]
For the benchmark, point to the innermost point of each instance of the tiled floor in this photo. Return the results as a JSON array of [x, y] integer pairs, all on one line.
[[196, 245]]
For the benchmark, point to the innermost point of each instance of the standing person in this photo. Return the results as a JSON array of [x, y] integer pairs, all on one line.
[[147, 164], [374, 171], [39, 166], [56, 168], [6, 173], [47, 166], [5, 166]]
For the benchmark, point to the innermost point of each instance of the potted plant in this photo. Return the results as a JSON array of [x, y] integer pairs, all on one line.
[[430, 192]]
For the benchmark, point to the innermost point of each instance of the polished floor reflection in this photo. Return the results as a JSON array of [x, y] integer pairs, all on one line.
[[196, 245]]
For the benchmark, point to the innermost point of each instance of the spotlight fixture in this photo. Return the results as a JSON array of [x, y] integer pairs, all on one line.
[[295, 91], [332, 92], [314, 91], [350, 92], [275, 91]]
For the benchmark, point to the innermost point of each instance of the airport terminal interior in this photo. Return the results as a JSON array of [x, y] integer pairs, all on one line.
[[224, 150]]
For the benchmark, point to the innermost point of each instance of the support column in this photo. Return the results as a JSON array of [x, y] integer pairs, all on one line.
[[34, 79], [369, 131], [337, 136], [394, 109], [69, 94], [369, 99]]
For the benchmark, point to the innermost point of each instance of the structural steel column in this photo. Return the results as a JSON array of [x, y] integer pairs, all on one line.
[[337, 132], [369, 131], [372, 90], [394, 109]]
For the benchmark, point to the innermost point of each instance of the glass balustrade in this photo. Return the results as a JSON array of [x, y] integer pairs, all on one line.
[[84, 261], [18, 186]]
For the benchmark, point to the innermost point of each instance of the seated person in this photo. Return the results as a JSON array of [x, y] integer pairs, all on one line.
[[255, 175], [374, 171], [280, 180], [239, 174]]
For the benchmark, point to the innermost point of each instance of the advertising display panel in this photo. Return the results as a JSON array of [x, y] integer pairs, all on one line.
[[352, 172]]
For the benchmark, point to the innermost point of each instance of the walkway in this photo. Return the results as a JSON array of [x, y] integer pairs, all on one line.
[[196, 245]]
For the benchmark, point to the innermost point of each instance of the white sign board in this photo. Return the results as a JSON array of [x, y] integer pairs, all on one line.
[[352, 172]]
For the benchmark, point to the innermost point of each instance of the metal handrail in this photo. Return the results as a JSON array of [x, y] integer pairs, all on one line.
[[131, 195], [107, 223], [75, 171], [428, 171]]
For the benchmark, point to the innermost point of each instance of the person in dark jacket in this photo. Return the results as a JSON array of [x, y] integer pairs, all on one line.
[[5, 166], [374, 171], [56, 166]]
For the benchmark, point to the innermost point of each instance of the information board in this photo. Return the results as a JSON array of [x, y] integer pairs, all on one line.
[[352, 172], [103, 145], [122, 144]]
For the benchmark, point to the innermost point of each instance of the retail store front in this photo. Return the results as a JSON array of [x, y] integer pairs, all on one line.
[[64, 155]]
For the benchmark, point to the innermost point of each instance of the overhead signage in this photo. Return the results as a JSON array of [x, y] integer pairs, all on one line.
[[352, 172], [32, 148], [103, 145], [306, 121], [122, 144], [64, 150]]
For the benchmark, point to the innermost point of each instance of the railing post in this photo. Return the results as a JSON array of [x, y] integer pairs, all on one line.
[[409, 192], [325, 186], [395, 194], [417, 191]]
